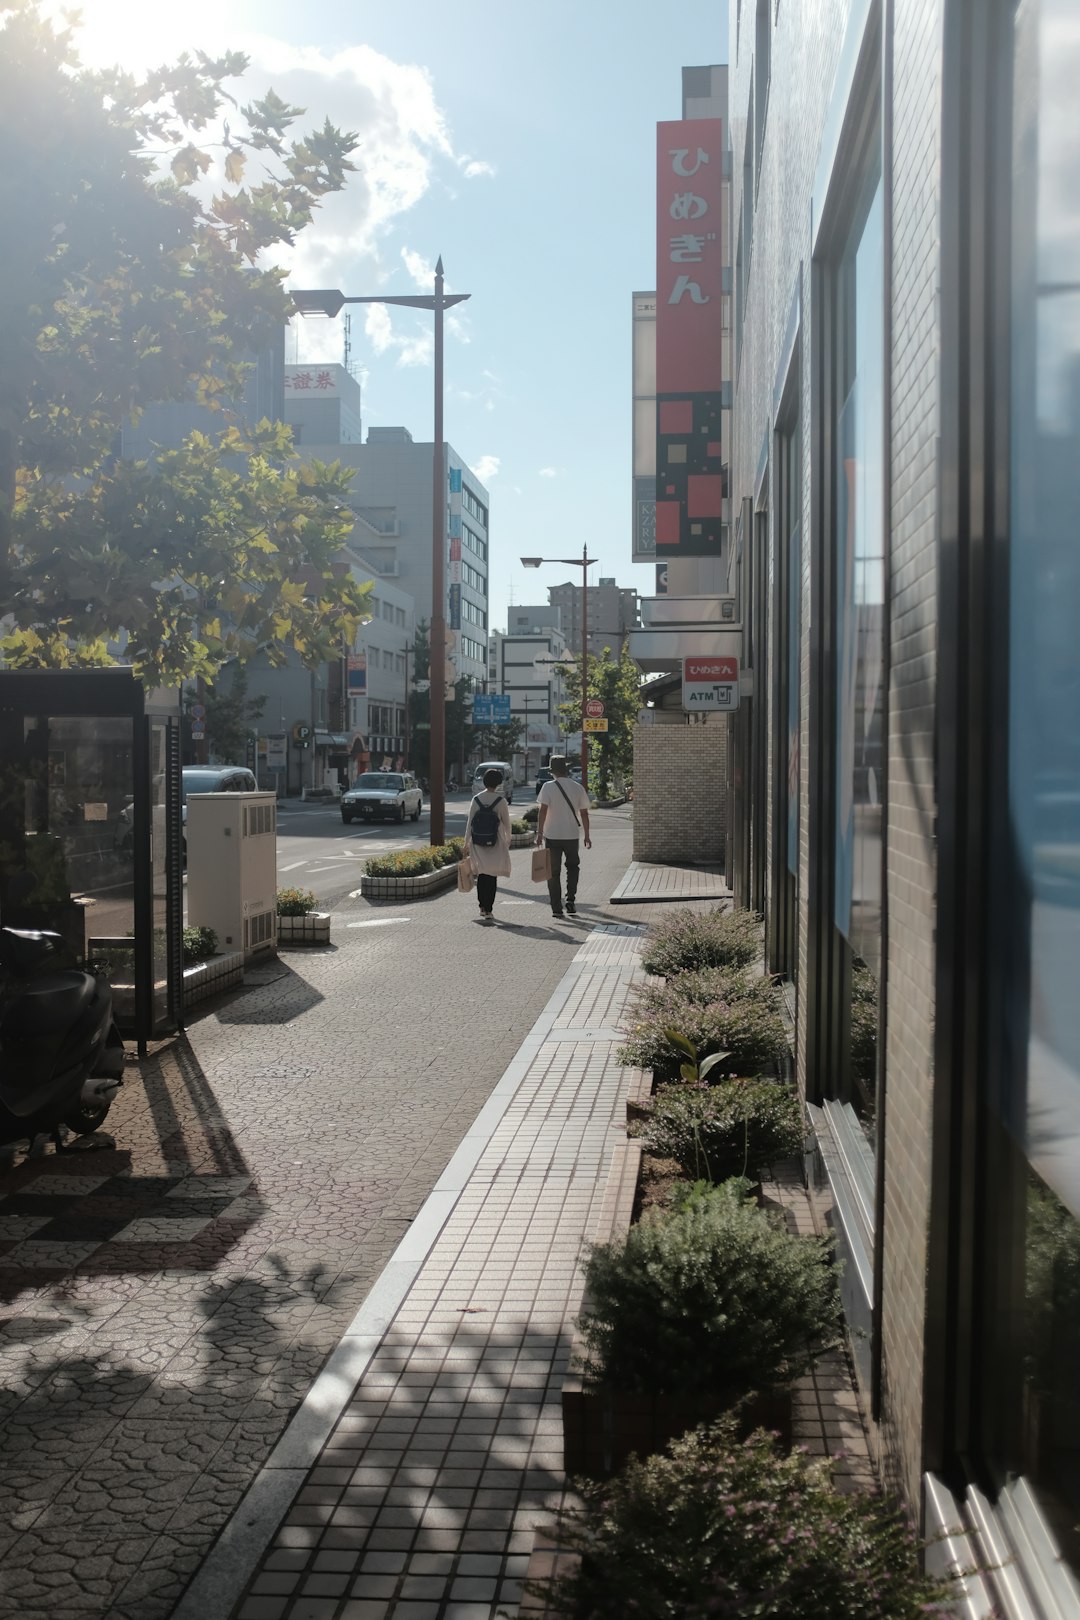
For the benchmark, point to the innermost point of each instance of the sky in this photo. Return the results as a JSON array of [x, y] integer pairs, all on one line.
[[519, 143]]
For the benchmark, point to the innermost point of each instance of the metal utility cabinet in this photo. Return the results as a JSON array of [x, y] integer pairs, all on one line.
[[232, 868]]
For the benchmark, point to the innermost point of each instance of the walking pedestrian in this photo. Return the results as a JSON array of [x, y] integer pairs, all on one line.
[[564, 814], [487, 841]]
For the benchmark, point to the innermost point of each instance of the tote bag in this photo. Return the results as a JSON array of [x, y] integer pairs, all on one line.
[[541, 865], [466, 877]]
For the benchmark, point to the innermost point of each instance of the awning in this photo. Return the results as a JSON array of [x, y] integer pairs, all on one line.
[[331, 739], [661, 651]]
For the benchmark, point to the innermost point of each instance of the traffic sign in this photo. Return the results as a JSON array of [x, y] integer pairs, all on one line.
[[710, 684], [595, 725], [197, 734], [198, 711], [594, 708], [491, 709]]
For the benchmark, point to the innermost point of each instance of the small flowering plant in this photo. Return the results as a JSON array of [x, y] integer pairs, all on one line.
[[722, 1527], [295, 902]]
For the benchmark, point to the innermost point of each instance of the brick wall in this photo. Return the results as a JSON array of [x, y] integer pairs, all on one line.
[[680, 783]]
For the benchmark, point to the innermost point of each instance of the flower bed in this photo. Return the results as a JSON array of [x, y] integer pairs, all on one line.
[[413, 874], [313, 928]]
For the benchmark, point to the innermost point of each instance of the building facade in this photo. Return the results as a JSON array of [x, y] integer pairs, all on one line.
[[613, 613], [391, 495], [527, 665], [904, 477]]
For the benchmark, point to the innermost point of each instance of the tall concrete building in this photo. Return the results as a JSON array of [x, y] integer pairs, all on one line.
[[322, 404], [527, 663], [905, 496], [613, 613], [391, 495]]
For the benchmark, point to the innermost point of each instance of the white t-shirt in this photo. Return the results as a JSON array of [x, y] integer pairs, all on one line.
[[560, 822]]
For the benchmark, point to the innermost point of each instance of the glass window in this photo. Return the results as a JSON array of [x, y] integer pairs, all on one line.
[[859, 550], [1041, 1103]]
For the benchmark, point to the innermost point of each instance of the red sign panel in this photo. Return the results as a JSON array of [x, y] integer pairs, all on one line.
[[710, 669], [594, 708], [689, 335]]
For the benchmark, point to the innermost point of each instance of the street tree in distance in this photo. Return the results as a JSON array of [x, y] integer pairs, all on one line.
[[231, 717], [616, 682], [139, 211], [501, 741]]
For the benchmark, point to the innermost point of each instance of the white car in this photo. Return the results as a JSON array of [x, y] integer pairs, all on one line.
[[382, 794]]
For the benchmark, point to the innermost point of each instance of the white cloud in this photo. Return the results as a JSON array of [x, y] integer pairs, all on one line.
[[413, 348], [486, 468], [547, 472], [472, 168]]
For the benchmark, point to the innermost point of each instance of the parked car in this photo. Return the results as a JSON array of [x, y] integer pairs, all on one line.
[[543, 775], [494, 765], [382, 794], [213, 779]]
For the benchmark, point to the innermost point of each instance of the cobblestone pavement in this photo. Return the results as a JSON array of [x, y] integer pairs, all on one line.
[[166, 1303]]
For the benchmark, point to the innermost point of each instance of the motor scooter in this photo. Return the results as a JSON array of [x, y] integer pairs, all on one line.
[[61, 1056]]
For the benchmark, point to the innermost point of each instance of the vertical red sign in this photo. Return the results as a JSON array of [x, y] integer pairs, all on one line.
[[689, 335]]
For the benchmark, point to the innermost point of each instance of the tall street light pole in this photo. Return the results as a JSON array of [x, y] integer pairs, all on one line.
[[584, 562], [330, 302]]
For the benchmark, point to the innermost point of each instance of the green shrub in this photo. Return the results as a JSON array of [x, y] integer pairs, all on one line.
[[715, 1010], [414, 862], [682, 943], [199, 943], [295, 902], [731, 1129], [519, 825], [531, 815], [718, 1526], [710, 1297]]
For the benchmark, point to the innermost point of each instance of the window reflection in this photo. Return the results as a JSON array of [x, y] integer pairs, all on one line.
[[1041, 1108], [860, 626]]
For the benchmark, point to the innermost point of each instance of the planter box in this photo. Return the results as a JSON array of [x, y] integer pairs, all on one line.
[[312, 929], [210, 978], [418, 888], [409, 888]]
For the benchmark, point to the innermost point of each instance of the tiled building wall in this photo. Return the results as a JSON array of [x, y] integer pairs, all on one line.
[[911, 852], [680, 787], [806, 50]]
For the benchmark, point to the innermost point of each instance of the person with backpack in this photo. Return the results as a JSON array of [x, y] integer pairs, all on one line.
[[487, 841], [564, 813]]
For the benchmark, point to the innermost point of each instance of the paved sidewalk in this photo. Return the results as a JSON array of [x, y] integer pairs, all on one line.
[[414, 1494], [646, 883], [414, 1480]]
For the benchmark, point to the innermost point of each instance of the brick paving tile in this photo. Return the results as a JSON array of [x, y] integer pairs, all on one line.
[[166, 1301]]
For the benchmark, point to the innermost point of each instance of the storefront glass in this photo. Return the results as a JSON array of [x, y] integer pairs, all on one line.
[[860, 613], [1040, 1104]]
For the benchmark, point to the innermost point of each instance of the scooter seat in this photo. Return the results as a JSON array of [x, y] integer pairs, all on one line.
[[47, 1005], [23, 951]]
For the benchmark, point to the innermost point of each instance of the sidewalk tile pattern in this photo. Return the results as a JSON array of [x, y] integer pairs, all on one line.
[[646, 884], [425, 1499]]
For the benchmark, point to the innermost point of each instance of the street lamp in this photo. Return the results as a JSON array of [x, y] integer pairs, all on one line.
[[584, 562], [330, 302]]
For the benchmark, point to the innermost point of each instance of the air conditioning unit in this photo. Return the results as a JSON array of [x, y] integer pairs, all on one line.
[[232, 868]]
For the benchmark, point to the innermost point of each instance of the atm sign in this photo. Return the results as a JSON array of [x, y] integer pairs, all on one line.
[[710, 684]]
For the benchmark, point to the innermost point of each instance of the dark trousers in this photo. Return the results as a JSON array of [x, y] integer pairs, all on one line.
[[485, 890], [563, 848]]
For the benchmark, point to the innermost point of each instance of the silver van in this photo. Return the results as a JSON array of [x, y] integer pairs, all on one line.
[[495, 765]]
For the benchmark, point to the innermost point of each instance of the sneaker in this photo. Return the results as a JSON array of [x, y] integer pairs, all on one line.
[[571, 909], [558, 914]]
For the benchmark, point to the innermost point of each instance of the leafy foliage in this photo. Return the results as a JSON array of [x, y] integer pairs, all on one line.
[[460, 732], [125, 285], [616, 682], [295, 902], [715, 1010], [231, 715], [683, 943], [732, 1129], [723, 1527], [864, 1023], [1052, 1288], [415, 862], [499, 742], [199, 943], [710, 1297]]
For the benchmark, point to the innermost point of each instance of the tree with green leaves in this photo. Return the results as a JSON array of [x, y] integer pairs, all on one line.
[[616, 682], [232, 717], [461, 734], [140, 210], [501, 741]]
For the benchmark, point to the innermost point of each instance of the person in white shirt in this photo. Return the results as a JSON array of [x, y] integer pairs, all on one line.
[[564, 816]]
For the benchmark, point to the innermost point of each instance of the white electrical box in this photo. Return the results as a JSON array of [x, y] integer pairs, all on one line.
[[232, 868]]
